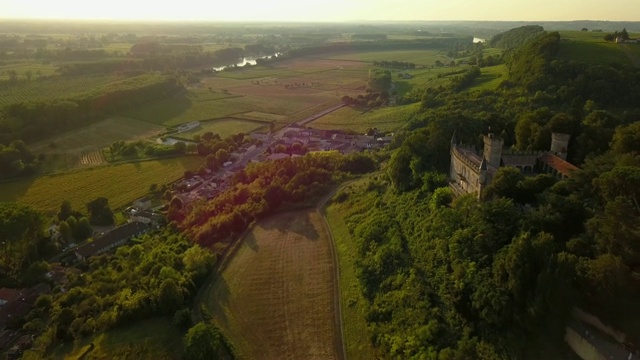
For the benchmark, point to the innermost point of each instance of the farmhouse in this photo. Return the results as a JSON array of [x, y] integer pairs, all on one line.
[[471, 172], [111, 240]]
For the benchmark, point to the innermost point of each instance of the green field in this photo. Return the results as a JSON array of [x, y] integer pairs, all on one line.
[[82, 146], [275, 298], [350, 118], [418, 57], [154, 339], [490, 78], [225, 127], [22, 68], [354, 327], [51, 88], [592, 48], [120, 183]]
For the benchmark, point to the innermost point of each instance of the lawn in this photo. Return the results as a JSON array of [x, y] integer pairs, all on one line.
[[225, 127], [154, 338], [351, 118], [418, 57], [275, 298], [354, 327], [121, 184]]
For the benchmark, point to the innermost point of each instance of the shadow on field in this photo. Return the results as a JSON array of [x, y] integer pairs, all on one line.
[[295, 222], [250, 241], [220, 300]]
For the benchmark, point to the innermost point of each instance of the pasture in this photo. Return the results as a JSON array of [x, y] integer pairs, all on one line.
[[352, 118], [133, 341], [592, 48], [83, 146], [120, 183], [275, 298]]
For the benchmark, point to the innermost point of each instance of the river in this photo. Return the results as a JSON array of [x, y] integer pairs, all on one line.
[[251, 60]]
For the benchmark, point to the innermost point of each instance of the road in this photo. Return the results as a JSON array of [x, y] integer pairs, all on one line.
[[339, 333], [608, 348]]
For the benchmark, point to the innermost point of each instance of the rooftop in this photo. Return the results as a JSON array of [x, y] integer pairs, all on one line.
[[562, 166], [111, 237]]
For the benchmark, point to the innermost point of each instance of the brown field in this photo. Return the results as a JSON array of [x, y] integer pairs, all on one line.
[[275, 299]]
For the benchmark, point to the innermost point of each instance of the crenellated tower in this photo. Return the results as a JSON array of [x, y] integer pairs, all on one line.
[[560, 145], [493, 149]]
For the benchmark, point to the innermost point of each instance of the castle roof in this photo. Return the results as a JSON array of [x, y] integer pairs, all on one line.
[[561, 166]]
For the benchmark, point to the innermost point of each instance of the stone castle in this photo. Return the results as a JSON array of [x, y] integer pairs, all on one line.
[[471, 172]]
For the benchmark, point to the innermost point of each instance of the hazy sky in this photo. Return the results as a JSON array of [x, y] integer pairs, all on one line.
[[324, 10]]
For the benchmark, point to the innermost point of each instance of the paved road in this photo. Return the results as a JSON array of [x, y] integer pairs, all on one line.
[[608, 348]]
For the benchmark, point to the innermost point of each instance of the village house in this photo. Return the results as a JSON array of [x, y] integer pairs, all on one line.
[[471, 172], [111, 240], [142, 203]]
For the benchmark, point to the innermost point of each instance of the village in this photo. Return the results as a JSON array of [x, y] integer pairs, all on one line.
[[294, 140]]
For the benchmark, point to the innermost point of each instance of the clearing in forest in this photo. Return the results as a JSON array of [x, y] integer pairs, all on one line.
[[275, 299]]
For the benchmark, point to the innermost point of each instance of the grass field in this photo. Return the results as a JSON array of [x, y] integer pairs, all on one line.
[[592, 48], [418, 57], [131, 342], [490, 78], [351, 118], [225, 127], [275, 298], [120, 183], [354, 328], [51, 88], [80, 147]]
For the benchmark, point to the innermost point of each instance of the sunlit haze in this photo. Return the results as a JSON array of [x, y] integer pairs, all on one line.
[[325, 10]]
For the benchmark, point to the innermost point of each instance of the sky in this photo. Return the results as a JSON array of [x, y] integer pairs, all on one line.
[[323, 10]]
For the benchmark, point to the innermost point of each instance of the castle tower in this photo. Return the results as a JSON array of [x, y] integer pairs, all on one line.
[[560, 144], [493, 149]]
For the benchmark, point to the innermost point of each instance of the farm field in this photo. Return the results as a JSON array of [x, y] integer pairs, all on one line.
[[349, 118], [134, 341], [592, 48], [225, 127], [275, 298], [356, 339], [418, 57], [120, 184], [284, 91], [83, 146], [23, 67], [51, 88]]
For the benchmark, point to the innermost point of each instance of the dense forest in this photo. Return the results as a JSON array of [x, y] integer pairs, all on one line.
[[449, 278]]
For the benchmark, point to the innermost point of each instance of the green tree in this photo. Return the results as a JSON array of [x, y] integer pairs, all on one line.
[[99, 212], [82, 230], [202, 342], [170, 296]]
